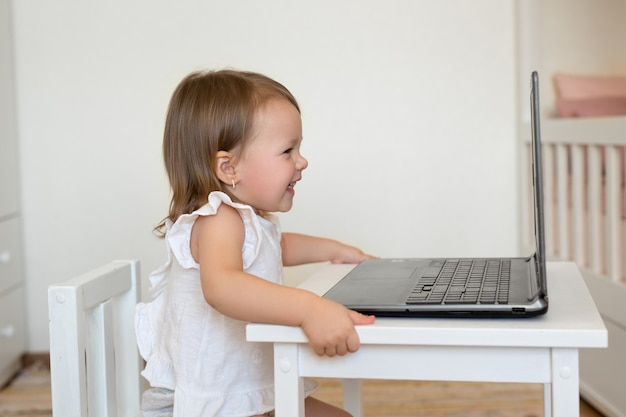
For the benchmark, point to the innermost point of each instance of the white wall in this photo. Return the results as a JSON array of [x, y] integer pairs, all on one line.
[[390, 92], [590, 37]]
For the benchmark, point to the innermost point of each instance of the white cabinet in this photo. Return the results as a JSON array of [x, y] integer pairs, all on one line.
[[9, 201], [12, 333], [12, 307], [10, 254]]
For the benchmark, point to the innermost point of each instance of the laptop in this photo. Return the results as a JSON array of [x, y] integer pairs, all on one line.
[[457, 287]]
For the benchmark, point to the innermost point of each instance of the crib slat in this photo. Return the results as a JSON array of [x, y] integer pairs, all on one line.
[[613, 212], [594, 201], [562, 206], [526, 212], [578, 238], [548, 199]]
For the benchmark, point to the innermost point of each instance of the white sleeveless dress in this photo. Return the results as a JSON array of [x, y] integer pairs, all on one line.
[[194, 350]]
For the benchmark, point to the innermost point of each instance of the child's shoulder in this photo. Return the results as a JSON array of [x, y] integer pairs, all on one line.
[[220, 208], [219, 216], [215, 201], [219, 205]]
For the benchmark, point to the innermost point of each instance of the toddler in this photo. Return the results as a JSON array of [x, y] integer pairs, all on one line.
[[232, 153]]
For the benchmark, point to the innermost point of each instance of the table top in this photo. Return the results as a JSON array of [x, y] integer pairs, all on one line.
[[572, 320]]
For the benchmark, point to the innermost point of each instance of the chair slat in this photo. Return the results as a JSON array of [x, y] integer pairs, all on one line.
[[101, 361]]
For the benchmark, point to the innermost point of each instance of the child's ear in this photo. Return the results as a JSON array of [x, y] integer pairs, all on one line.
[[224, 167]]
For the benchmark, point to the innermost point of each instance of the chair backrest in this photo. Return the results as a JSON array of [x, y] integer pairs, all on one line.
[[94, 360]]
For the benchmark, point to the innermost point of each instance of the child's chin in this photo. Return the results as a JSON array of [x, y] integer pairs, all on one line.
[[285, 207]]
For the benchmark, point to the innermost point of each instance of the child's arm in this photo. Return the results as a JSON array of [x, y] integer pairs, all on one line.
[[302, 249], [216, 243]]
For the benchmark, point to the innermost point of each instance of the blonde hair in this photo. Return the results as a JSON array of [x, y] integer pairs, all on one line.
[[209, 112]]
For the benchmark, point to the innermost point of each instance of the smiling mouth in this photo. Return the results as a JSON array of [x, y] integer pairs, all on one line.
[[291, 185]]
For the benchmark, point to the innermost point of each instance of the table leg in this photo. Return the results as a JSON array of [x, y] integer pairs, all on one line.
[[547, 400], [352, 397], [288, 385], [565, 394]]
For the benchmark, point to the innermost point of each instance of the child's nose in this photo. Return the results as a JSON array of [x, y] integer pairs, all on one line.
[[302, 163]]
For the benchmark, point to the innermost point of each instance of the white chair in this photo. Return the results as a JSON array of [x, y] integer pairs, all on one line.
[[94, 359]]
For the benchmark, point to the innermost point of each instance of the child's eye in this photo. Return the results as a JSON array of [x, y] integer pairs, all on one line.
[[288, 150]]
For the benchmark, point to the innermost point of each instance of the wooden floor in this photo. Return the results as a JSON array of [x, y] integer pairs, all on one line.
[[29, 396], [445, 399]]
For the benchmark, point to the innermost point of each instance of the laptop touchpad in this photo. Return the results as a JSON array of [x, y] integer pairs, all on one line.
[[385, 283]]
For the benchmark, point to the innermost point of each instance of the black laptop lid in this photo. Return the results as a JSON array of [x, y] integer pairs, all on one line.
[[538, 184]]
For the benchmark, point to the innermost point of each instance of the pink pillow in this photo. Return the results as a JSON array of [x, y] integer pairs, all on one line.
[[591, 107], [569, 86]]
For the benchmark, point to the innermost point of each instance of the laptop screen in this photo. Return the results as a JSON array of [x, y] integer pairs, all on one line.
[[537, 183]]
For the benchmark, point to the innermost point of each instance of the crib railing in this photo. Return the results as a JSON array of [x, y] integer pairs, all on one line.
[[584, 166]]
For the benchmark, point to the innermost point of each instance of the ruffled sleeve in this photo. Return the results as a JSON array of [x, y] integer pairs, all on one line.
[[178, 237]]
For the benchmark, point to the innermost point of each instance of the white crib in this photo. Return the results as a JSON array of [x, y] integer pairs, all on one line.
[[585, 215]]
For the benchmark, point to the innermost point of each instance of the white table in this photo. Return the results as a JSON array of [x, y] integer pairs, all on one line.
[[532, 350]]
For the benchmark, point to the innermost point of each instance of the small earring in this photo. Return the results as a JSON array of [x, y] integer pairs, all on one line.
[[233, 182]]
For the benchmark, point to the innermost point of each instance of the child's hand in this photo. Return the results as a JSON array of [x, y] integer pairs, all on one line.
[[349, 255], [330, 328]]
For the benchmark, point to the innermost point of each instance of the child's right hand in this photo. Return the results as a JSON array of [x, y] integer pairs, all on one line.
[[329, 326]]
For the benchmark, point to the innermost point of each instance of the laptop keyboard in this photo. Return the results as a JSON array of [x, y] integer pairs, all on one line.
[[463, 281]]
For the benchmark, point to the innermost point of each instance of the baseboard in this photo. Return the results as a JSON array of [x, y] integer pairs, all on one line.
[[30, 358], [598, 402], [8, 373]]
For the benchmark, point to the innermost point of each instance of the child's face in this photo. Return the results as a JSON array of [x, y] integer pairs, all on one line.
[[271, 162]]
